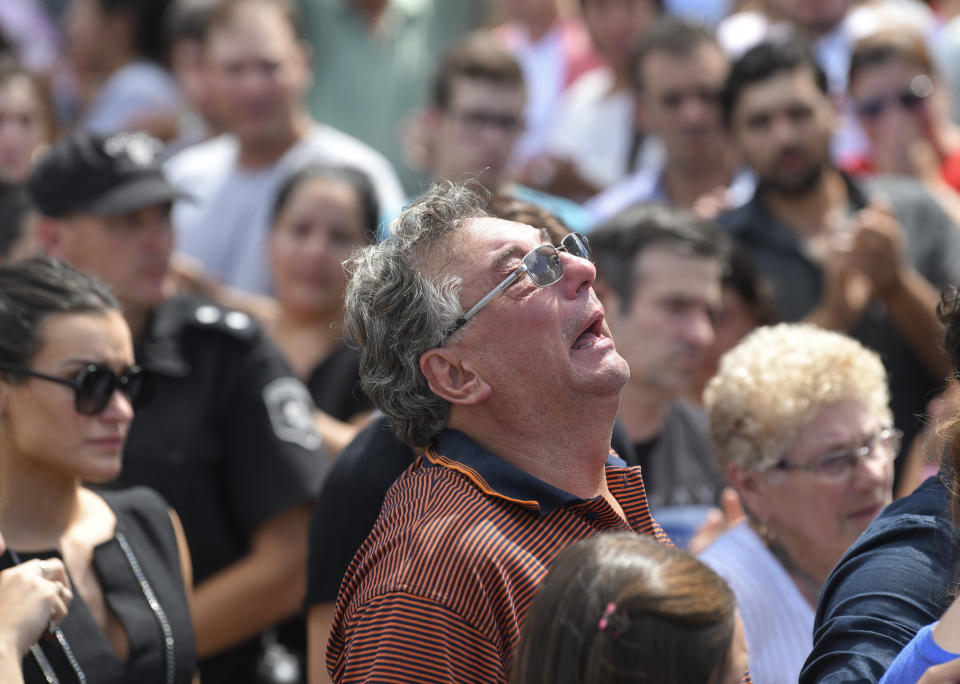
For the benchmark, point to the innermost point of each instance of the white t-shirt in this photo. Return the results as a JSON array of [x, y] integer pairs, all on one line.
[[595, 128], [226, 227], [134, 91], [544, 66], [777, 620]]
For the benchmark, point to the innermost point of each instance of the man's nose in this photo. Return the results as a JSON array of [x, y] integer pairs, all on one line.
[[699, 329], [578, 274]]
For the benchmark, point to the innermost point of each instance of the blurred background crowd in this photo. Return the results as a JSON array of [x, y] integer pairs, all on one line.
[[734, 165]]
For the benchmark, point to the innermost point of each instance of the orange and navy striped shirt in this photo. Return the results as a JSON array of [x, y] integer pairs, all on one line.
[[438, 591]]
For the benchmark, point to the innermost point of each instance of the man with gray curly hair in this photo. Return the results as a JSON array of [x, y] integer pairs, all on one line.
[[486, 345]]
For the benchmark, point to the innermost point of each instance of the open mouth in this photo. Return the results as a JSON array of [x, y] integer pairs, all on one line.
[[590, 336]]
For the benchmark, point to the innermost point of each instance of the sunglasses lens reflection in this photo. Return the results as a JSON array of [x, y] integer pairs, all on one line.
[[909, 100], [97, 385], [543, 265], [139, 388], [94, 390], [578, 246]]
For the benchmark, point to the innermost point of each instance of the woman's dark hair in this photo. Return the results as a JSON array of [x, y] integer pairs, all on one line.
[[948, 310], [11, 70], [741, 276], [358, 181], [15, 206], [186, 20], [31, 290], [148, 18], [666, 617]]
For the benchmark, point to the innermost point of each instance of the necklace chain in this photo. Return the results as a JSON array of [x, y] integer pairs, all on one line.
[[159, 613], [801, 576], [45, 667], [38, 655]]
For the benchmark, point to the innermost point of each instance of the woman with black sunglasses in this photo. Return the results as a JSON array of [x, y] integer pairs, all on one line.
[[68, 388]]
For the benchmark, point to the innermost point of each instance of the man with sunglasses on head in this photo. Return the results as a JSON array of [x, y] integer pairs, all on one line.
[[228, 437], [857, 257], [486, 346]]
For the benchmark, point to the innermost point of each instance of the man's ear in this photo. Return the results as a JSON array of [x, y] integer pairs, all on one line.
[[453, 379], [305, 64], [751, 488]]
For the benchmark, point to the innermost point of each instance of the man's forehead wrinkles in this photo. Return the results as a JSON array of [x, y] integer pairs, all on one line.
[[466, 250]]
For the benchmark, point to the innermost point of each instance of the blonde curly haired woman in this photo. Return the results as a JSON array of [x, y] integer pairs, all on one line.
[[801, 425]]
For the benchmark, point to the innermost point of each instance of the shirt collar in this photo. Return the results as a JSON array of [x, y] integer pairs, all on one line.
[[495, 477]]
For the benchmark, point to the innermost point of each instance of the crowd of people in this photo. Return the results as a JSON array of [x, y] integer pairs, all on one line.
[[479, 340]]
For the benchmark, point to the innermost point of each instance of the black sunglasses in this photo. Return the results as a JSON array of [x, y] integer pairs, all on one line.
[[94, 384], [910, 98]]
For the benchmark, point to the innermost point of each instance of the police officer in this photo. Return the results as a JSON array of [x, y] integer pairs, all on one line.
[[228, 438]]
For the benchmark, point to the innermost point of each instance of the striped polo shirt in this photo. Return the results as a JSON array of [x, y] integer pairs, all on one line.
[[439, 589]]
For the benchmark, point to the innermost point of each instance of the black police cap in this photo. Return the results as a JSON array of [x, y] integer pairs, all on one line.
[[95, 174]]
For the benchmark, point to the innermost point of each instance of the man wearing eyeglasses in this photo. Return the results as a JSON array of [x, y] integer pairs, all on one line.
[[473, 119], [488, 347], [228, 438], [677, 70], [858, 257]]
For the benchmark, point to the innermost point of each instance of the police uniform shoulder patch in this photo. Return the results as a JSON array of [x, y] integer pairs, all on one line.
[[291, 412]]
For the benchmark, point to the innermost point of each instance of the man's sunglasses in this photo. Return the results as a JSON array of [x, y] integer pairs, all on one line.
[[910, 99], [94, 385], [542, 264]]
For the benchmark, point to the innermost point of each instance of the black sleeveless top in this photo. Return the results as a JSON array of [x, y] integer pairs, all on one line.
[[139, 573], [334, 384]]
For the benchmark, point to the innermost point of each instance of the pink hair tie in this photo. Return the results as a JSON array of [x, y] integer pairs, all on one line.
[[619, 622]]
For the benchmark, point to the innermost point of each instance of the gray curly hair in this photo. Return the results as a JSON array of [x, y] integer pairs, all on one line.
[[399, 304]]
